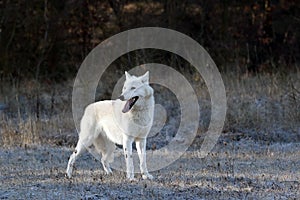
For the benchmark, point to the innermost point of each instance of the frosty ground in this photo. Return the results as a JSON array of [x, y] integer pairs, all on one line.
[[235, 169]]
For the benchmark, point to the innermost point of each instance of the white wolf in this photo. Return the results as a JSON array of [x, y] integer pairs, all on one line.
[[122, 121]]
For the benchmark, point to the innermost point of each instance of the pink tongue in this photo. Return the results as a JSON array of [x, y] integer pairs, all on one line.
[[127, 106]]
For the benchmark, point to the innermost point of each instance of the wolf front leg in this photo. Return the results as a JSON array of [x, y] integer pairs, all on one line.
[[127, 147], [141, 149]]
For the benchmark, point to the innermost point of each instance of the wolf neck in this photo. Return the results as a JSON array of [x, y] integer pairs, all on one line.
[[142, 116], [147, 106]]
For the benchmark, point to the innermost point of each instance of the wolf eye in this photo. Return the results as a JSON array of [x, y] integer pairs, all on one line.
[[132, 88]]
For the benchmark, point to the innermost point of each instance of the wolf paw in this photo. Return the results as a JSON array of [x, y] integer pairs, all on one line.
[[130, 177], [133, 180], [147, 176], [108, 171], [68, 174], [69, 171]]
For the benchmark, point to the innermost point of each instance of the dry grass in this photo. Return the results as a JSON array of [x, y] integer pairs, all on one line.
[[36, 114], [265, 107]]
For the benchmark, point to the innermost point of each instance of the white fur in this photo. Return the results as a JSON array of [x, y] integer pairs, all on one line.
[[104, 124]]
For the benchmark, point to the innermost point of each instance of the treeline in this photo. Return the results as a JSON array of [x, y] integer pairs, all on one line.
[[48, 39]]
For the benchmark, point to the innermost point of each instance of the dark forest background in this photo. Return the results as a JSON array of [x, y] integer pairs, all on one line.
[[48, 39], [255, 45]]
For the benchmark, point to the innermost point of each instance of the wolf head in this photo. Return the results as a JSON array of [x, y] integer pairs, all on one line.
[[135, 91]]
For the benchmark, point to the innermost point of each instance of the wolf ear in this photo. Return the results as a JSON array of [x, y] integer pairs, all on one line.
[[145, 78], [127, 75]]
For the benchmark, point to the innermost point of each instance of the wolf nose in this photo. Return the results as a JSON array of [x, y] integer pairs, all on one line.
[[121, 97]]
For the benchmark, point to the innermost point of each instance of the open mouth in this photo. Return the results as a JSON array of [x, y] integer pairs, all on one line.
[[129, 104]]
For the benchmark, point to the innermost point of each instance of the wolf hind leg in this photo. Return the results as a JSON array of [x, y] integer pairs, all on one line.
[[108, 156], [106, 147], [80, 148]]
